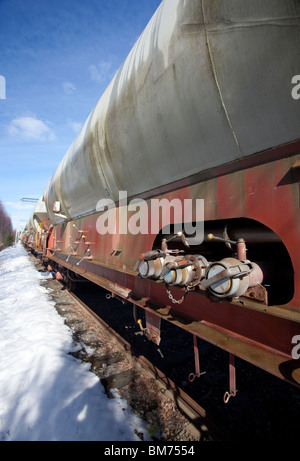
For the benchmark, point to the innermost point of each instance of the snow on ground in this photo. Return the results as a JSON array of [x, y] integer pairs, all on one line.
[[46, 394]]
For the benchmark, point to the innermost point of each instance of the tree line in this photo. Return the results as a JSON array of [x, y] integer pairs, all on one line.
[[6, 230]]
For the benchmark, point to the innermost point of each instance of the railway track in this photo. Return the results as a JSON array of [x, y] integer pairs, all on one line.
[[154, 381], [170, 413], [197, 426]]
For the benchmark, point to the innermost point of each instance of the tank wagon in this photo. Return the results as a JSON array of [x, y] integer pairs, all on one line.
[[181, 192], [35, 233]]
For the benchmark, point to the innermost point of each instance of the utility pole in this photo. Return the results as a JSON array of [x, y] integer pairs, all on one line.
[[27, 200]]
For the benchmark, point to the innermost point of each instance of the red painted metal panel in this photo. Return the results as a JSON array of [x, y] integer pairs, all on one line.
[[267, 193]]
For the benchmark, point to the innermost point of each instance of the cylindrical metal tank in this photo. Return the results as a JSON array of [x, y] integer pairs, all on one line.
[[207, 83], [39, 213]]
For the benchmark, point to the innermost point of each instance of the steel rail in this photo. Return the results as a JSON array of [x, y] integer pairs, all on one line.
[[193, 411]]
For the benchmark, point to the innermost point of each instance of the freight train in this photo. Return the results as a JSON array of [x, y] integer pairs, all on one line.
[[181, 192]]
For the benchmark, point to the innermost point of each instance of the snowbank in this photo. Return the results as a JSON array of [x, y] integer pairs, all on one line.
[[46, 394]]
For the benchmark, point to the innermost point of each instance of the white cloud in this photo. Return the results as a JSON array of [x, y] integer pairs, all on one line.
[[68, 87], [101, 72], [30, 128], [76, 126]]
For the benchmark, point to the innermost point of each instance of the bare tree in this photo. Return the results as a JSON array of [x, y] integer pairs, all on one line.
[[6, 229]]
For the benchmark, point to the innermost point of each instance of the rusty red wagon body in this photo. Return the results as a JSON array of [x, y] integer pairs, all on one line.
[[202, 112]]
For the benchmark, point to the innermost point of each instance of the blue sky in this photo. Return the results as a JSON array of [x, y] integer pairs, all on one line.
[[57, 57]]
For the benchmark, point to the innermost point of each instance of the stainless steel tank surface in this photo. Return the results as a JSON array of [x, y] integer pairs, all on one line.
[[208, 82]]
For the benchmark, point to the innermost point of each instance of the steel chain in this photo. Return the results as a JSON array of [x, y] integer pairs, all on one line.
[[177, 301]]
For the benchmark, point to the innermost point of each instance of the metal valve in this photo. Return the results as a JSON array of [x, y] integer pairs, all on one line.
[[231, 277], [240, 244]]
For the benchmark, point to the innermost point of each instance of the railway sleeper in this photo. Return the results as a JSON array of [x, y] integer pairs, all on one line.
[[120, 379], [98, 361]]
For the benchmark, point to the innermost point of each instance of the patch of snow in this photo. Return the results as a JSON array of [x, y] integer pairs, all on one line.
[[45, 393]]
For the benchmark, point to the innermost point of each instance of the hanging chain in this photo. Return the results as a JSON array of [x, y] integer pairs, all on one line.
[[177, 301]]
